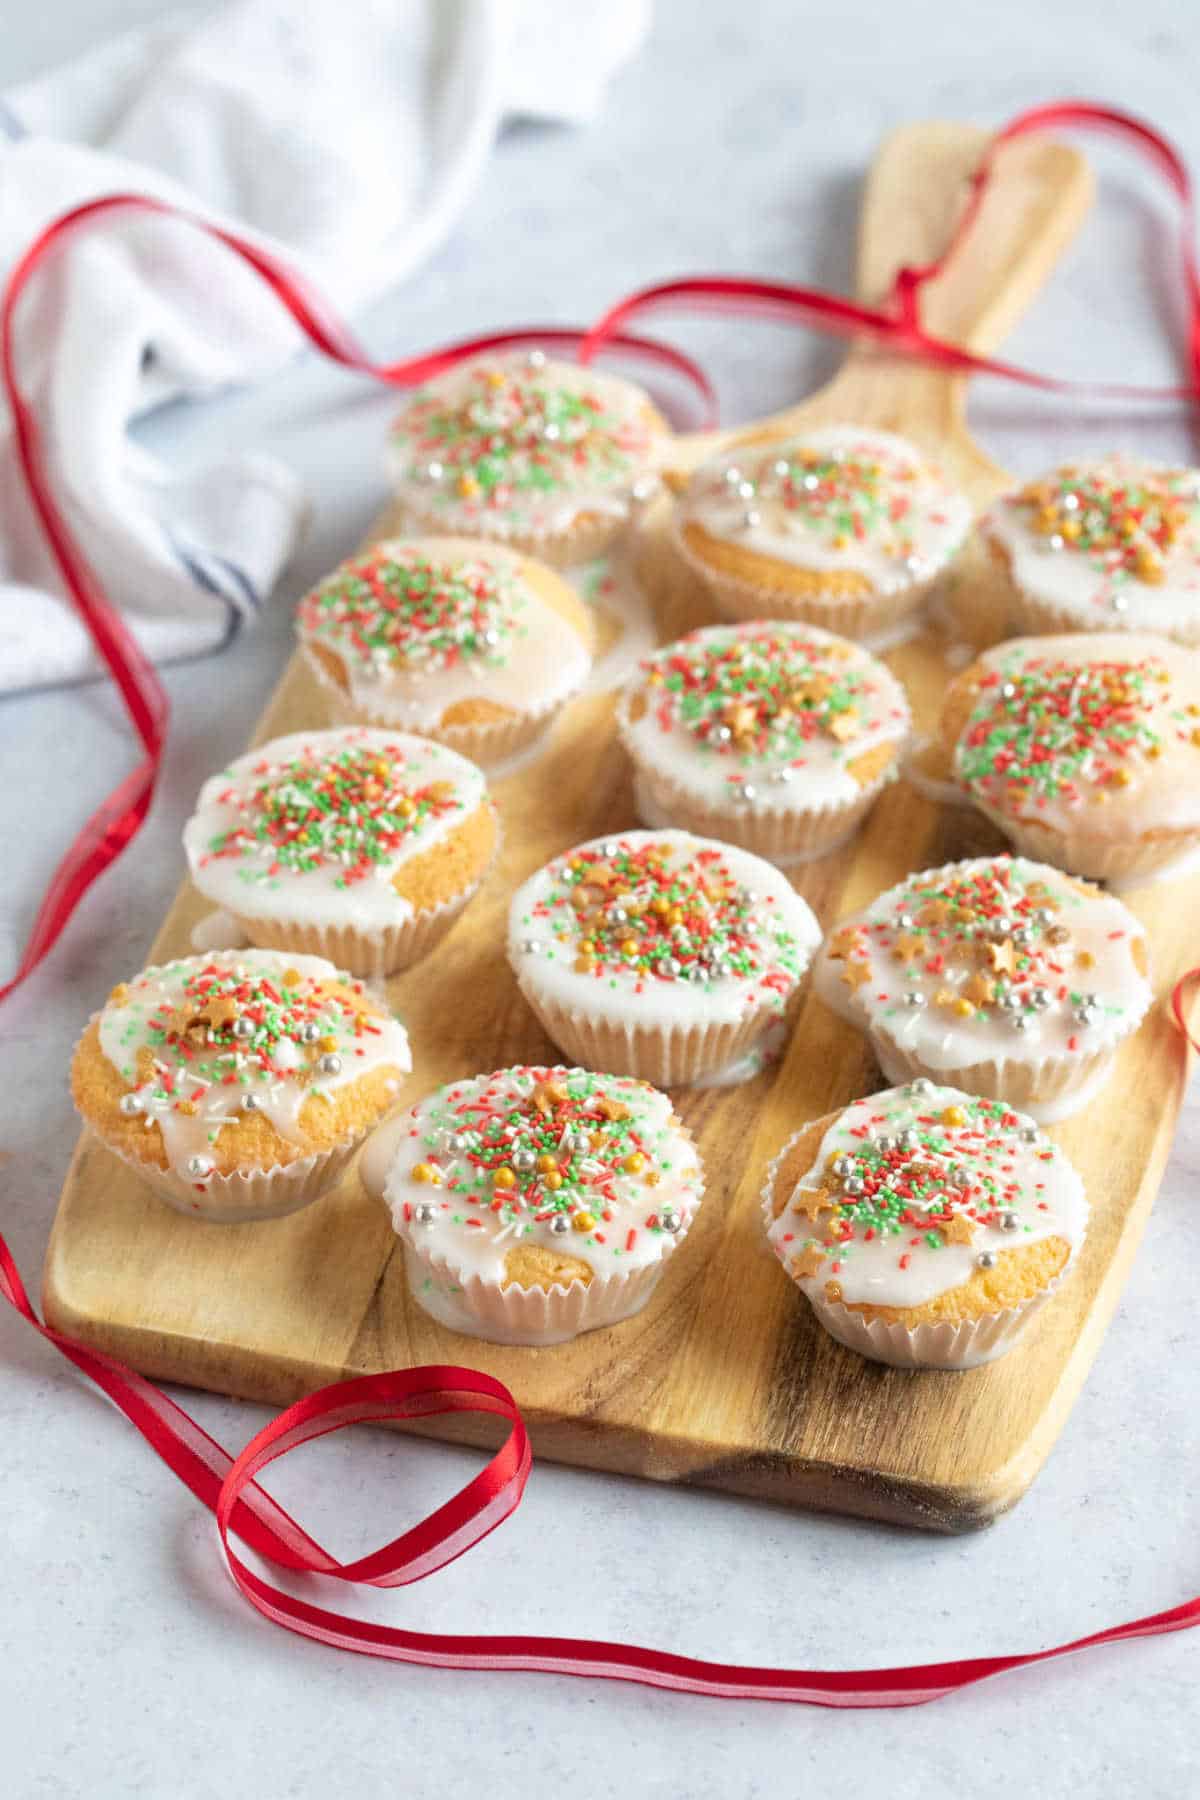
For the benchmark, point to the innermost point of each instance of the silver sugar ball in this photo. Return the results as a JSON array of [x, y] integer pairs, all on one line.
[[330, 1064], [644, 487], [560, 1223], [523, 1161], [619, 916], [843, 1165], [853, 1185], [131, 1104], [199, 1168], [251, 1103], [733, 477], [669, 1220], [1029, 1134], [424, 1212], [914, 999], [986, 1259], [551, 432], [243, 1027], [745, 490], [781, 777], [1008, 690], [434, 471], [536, 359], [670, 966], [1009, 1222], [922, 1085], [310, 1033], [904, 921], [781, 467], [810, 484], [1021, 1022], [1041, 998], [751, 518], [1120, 603], [908, 1138], [723, 734], [611, 848], [748, 791], [529, 947]]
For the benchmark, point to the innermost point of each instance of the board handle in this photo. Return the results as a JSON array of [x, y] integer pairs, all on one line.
[[917, 189]]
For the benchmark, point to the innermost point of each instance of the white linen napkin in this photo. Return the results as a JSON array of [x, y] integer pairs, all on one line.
[[349, 149]]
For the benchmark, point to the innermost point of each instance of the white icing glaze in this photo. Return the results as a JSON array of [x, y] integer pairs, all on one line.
[[797, 741], [839, 498], [519, 446], [1138, 769], [491, 635], [234, 855], [191, 1083], [498, 1114], [995, 1163], [1079, 995], [1092, 578], [740, 942]]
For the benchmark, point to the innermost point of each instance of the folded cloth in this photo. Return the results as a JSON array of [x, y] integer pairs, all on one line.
[[348, 150]]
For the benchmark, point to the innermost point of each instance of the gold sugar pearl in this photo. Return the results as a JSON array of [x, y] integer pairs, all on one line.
[[583, 1221]]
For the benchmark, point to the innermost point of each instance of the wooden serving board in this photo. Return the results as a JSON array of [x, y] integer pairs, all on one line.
[[724, 1380]]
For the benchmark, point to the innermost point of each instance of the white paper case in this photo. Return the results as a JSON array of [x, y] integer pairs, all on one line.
[[486, 744], [530, 1316], [248, 1194]]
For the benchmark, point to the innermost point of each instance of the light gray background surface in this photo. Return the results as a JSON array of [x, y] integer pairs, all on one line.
[[128, 1666]]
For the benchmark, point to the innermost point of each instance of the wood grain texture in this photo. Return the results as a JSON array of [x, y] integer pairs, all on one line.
[[725, 1380]]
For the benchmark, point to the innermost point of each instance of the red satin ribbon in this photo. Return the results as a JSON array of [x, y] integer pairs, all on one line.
[[228, 1487], [896, 323], [116, 822]]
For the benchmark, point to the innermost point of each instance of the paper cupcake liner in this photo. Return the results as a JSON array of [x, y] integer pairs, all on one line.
[[1048, 1088], [1120, 862], [533, 1316], [247, 1194], [782, 835], [943, 1344], [665, 1055], [590, 534], [370, 955], [484, 744], [850, 615], [367, 954]]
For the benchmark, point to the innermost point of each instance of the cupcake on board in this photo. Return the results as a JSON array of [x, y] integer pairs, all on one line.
[[661, 955], [1083, 749], [777, 737], [549, 457], [238, 1085], [537, 1203], [467, 643], [358, 845], [998, 975], [925, 1227], [1112, 545], [841, 526]]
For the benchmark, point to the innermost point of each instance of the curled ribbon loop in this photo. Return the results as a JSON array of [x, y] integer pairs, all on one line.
[[117, 821], [896, 323], [228, 1486]]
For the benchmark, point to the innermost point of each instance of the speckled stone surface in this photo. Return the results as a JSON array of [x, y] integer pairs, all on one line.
[[130, 1667]]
